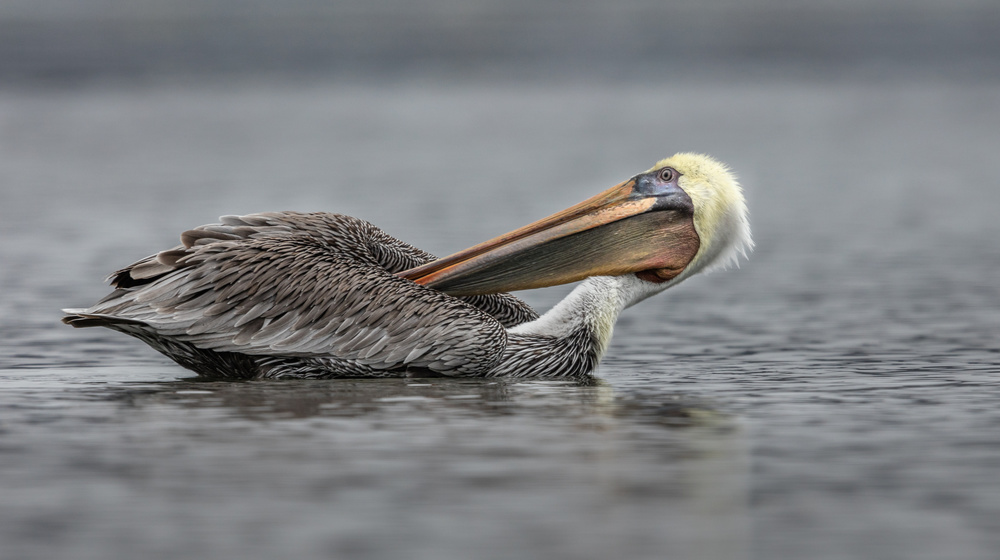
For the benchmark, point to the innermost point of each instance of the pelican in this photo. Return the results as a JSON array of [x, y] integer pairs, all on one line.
[[319, 295]]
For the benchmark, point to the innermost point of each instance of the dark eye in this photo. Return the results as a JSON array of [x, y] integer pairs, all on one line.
[[667, 174]]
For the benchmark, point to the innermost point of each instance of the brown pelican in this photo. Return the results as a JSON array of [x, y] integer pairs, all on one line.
[[285, 294]]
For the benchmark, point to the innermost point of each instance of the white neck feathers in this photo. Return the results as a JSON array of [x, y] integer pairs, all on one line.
[[594, 305]]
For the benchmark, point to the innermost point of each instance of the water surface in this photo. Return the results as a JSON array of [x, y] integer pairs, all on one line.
[[835, 397]]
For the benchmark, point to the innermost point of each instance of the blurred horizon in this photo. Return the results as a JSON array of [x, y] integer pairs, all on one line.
[[67, 42]]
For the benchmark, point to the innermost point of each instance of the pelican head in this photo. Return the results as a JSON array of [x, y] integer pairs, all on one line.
[[684, 215]]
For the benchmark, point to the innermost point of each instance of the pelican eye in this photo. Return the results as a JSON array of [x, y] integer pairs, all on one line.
[[667, 174]]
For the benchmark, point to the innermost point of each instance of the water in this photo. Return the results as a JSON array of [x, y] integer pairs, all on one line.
[[835, 397]]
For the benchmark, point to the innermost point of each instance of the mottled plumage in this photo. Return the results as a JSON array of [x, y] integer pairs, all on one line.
[[305, 295]]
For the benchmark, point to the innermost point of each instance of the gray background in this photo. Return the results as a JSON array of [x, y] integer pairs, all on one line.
[[81, 40]]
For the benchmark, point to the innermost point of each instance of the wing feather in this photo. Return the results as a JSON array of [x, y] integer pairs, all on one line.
[[308, 285]]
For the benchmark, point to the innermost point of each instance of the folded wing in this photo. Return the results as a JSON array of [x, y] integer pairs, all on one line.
[[307, 285]]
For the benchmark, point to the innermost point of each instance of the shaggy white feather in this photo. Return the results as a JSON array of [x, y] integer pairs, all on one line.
[[720, 212]]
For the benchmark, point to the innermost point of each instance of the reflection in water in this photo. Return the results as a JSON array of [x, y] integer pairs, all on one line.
[[347, 397], [587, 397], [390, 468]]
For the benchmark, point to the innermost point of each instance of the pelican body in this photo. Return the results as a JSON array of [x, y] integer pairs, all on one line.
[[295, 295]]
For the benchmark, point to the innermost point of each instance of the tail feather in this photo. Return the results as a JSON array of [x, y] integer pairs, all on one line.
[[79, 318]]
